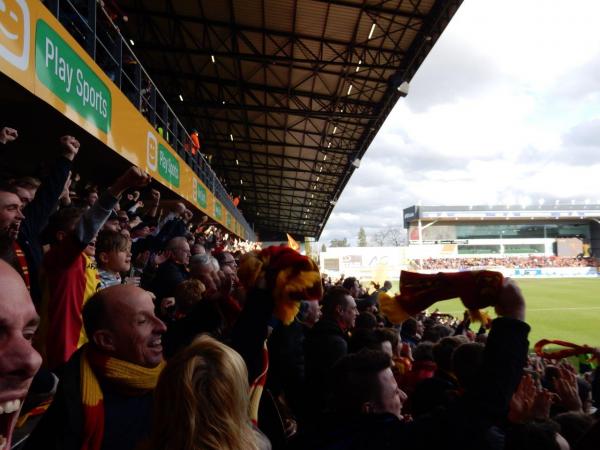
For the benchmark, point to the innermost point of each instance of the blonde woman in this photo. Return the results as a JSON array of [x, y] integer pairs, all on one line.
[[202, 400]]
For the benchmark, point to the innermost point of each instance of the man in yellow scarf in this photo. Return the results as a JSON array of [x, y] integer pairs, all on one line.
[[104, 399]]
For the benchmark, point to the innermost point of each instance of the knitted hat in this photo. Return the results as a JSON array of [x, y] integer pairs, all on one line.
[[288, 275]]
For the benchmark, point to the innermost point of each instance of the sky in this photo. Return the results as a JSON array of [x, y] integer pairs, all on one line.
[[504, 110]]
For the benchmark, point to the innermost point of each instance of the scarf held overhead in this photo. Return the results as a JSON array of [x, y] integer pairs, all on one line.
[[131, 378], [477, 289], [290, 276], [571, 350]]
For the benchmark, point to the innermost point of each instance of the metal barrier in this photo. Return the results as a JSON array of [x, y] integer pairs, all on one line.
[[89, 23]]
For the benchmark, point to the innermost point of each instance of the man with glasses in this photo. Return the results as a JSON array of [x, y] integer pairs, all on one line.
[[226, 259], [228, 266]]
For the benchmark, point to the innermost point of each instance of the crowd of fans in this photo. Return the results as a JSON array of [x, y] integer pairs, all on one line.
[[529, 262], [129, 323]]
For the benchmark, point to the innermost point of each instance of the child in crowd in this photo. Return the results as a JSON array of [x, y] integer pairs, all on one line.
[[113, 256]]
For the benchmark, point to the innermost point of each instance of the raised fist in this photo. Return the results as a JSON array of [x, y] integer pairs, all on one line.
[[70, 146], [8, 135], [135, 177]]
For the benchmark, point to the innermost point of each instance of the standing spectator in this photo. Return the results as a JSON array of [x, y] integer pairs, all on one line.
[[352, 285], [327, 342], [90, 197], [18, 360], [409, 333], [70, 273], [113, 256], [26, 188], [202, 402], [174, 270], [104, 398], [286, 357], [27, 249]]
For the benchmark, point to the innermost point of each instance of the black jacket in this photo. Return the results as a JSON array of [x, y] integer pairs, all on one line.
[[127, 420], [362, 432], [326, 343], [168, 276], [471, 422], [36, 218], [286, 364]]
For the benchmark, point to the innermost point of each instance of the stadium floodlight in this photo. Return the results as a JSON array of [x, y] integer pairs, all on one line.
[[356, 162], [403, 88], [372, 30]]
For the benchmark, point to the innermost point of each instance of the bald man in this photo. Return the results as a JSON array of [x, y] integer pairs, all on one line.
[[18, 360], [119, 365]]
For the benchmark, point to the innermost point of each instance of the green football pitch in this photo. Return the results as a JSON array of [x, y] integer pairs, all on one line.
[[557, 308]]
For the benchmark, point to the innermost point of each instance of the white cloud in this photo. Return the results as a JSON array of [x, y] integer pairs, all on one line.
[[504, 109]]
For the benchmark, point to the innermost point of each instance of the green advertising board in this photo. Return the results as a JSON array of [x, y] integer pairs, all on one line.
[[64, 73], [168, 166], [218, 209], [201, 196]]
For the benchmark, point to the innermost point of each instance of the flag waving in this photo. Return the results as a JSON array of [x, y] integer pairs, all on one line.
[[292, 243]]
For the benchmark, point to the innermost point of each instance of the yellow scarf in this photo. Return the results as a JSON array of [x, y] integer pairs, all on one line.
[[135, 379]]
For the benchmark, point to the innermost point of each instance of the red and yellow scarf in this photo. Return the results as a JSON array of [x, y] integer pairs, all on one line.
[[570, 350], [22, 264], [288, 275], [258, 385], [130, 377], [477, 289]]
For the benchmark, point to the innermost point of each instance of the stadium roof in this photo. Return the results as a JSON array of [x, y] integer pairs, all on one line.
[[552, 210], [287, 94]]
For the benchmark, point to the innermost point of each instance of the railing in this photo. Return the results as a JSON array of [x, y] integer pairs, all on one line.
[[89, 23]]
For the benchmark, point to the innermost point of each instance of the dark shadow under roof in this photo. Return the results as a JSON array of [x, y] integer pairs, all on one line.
[[286, 94]]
